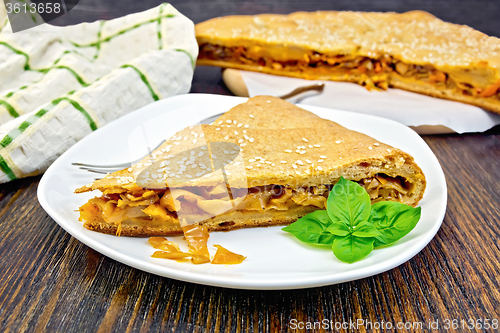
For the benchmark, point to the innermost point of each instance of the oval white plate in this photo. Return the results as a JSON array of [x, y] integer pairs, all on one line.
[[275, 259]]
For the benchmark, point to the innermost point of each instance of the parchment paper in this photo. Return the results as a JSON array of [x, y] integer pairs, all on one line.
[[405, 107]]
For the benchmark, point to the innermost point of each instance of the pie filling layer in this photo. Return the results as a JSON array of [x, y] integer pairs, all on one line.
[[135, 206], [372, 72]]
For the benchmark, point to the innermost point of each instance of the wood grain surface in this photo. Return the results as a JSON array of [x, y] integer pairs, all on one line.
[[50, 282]]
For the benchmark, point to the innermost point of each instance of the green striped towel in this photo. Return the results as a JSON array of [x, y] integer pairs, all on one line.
[[58, 84]]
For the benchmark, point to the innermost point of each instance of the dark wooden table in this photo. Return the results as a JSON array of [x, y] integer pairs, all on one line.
[[51, 282]]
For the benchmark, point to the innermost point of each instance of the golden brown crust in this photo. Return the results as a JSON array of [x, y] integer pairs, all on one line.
[[135, 231], [272, 113], [275, 151], [415, 37], [225, 222]]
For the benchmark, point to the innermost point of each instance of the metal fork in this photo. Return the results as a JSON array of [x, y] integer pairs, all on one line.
[[297, 95]]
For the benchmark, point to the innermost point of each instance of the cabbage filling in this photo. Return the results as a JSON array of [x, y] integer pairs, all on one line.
[[373, 72], [137, 206]]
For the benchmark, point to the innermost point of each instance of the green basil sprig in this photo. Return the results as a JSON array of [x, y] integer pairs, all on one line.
[[352, 226]]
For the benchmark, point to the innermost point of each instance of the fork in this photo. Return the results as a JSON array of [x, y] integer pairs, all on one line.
[[298, 94]]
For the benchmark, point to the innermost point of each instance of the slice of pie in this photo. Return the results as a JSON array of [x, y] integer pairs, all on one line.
[[265, 162], [414, 51]]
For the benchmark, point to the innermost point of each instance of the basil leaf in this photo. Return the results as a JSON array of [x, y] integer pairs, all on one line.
[[394, 220], [351, 248], [348, 203], [312, 228], [325, 239], [366, 229], [339, 229]]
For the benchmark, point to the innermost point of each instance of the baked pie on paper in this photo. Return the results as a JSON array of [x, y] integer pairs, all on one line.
[[414, 51]]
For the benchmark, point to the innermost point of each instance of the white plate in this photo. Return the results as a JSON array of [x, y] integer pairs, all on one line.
[[275, 259]]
